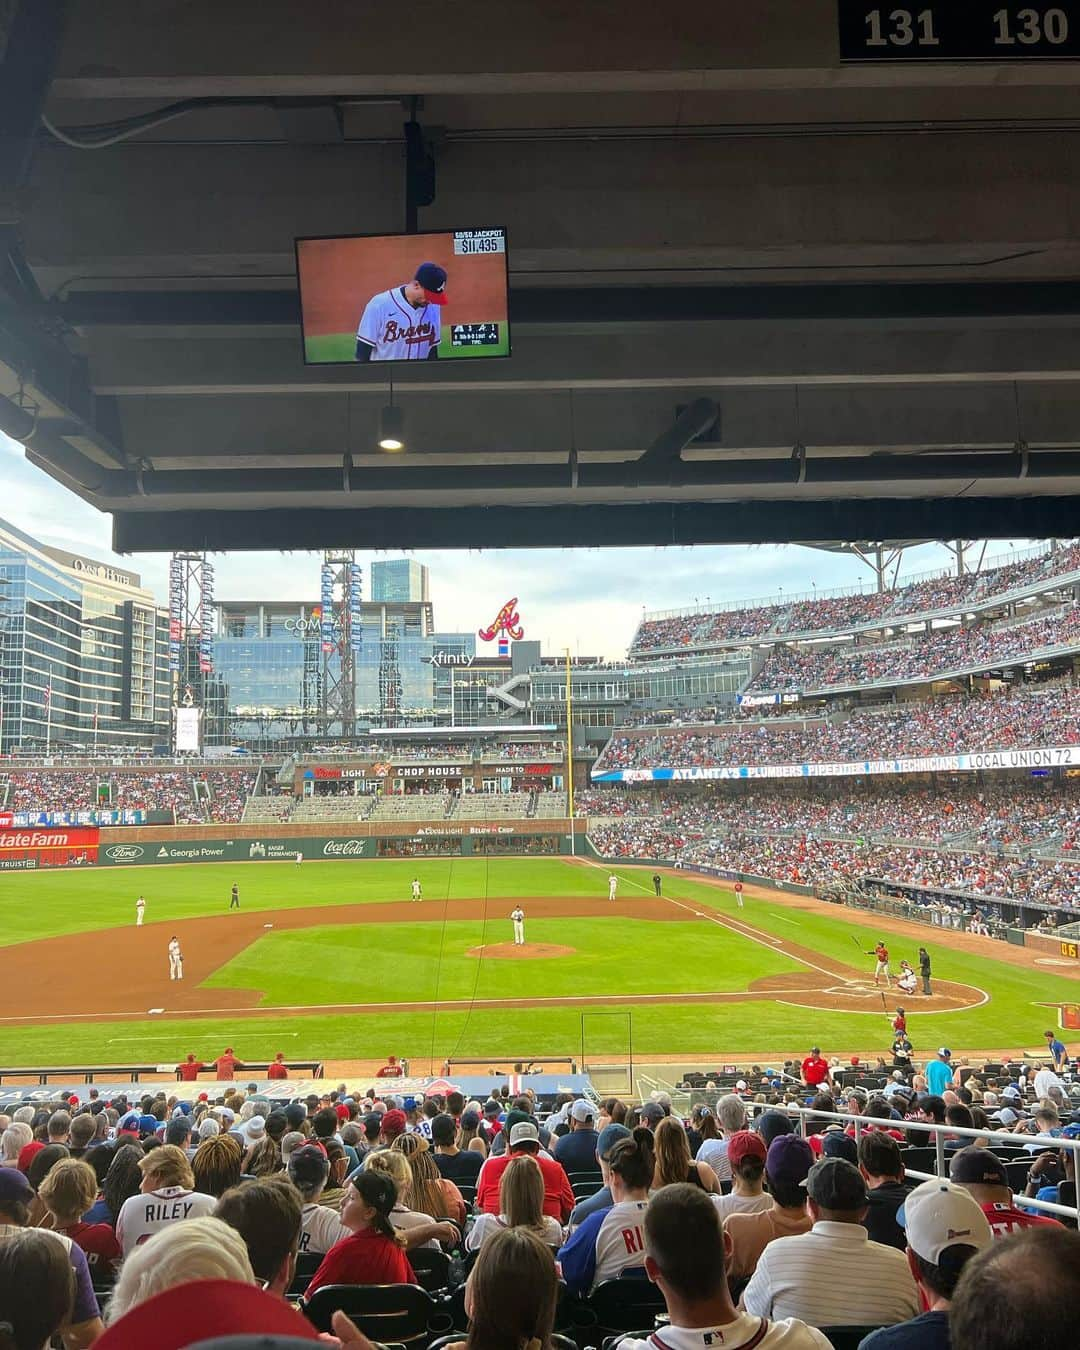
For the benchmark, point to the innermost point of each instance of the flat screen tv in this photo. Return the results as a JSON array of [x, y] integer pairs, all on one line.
[[440, 295]]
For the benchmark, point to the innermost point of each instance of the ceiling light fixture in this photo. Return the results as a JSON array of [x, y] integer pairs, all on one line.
[[391, 429]]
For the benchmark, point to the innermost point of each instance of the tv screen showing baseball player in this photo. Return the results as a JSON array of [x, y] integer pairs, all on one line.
[[433, 296]]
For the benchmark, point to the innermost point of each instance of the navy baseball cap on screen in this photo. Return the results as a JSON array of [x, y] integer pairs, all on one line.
[[433, 279]]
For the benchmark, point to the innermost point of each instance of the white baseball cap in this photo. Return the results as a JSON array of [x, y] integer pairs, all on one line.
[[583, 1110], [938, 1215]]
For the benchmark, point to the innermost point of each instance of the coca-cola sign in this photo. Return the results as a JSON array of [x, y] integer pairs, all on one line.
[[343, 848]]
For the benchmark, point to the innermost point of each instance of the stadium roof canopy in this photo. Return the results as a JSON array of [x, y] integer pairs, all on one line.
[[758, 292]]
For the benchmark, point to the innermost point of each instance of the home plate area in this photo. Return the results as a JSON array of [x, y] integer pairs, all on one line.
[[520, 951]]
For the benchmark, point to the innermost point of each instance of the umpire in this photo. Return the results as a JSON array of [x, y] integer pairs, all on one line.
[[657, 882], [924, 970]]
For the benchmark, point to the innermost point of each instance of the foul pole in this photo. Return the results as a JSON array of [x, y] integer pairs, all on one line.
[[570, 757]]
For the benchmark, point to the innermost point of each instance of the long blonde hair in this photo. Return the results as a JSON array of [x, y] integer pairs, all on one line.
[[672, 1153], [394, 1165], [521, 1193], [514, 1289], [427, 1191]]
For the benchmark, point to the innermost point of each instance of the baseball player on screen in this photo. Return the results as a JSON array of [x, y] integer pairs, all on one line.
[[404, 323]]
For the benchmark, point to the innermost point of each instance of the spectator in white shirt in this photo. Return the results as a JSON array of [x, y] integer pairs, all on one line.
[[167, 1196], [686, 1255], [746, 1154], [730, 1118], [612, 1240], [833, 1275], [320, 1227], [521, 1205]]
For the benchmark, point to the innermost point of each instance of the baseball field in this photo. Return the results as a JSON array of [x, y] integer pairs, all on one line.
[[334, 960]]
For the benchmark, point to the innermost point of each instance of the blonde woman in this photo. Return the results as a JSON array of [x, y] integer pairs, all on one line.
[[673, 1161], [263, 1159], [393, 1164], [521, 1205], [197, 1249], [431, 1192]]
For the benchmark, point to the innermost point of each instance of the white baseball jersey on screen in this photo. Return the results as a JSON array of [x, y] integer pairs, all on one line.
[[396, 330]]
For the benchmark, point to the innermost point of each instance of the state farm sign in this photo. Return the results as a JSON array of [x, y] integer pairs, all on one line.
[[79, 837]]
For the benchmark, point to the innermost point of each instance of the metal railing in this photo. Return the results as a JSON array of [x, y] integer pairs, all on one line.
[[940, 1133]]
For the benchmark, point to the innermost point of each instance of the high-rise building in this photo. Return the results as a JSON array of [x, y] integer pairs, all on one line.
[[84, 651], [400, 581]]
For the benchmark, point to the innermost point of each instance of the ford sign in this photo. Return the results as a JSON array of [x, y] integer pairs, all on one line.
[[124, 852]]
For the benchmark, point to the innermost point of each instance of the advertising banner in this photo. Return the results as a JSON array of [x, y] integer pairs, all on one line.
[[48, 846], [1033, 757], [187, 728], [235, 850]]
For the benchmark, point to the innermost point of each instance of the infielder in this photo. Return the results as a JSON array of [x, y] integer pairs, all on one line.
[[140, 911], [417, 890], [176, 959], [517, 915], [405, 323], [612, 886], [881, 952], [234, 899], [737, 888], [299, 858]]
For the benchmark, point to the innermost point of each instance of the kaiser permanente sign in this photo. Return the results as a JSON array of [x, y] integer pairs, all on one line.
[[1035, 757]]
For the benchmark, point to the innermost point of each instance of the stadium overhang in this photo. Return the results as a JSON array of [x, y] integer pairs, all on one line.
[[757, 292]]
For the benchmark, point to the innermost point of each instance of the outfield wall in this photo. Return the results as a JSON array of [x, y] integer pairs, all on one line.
[[142, 845]]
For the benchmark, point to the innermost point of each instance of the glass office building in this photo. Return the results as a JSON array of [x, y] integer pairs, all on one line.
[[399, 581], [83, 651]]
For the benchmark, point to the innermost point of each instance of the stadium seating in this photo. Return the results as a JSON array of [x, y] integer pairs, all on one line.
[[195, 796], [941, 593]]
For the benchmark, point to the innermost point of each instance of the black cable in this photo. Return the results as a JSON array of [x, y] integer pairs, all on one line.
[[480, 958], [438, 963]]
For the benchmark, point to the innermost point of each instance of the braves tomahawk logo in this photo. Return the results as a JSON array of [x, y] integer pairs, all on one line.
[[506, 622]]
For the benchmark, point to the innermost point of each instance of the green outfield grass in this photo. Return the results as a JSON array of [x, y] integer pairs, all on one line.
[[419, 961], [342, 347]]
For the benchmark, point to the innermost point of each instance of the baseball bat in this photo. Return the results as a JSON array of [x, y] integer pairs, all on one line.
[[884, 1006], [855, 940]]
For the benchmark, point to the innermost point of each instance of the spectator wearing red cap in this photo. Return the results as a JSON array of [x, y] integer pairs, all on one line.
[[278, 1069], [787, 1165], [524, 1138], [190, 1069], [746, 1154], [226, 1066]]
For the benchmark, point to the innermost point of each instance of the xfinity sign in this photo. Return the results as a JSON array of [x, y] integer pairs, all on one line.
[[449, 659]]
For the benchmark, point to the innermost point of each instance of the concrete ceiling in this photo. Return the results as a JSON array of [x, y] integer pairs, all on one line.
[[870, 270]]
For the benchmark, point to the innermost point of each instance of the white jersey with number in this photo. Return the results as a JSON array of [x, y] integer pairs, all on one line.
[[612, 885], [396, 331]]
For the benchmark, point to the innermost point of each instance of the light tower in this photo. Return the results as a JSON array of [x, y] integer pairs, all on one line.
[[340, 636], [191, 639]]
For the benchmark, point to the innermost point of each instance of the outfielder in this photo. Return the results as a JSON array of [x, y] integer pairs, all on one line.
[[234, 897], [140, 911], [881, 952], [176, 959], [417, 889], [405, 323], [299, 858], [517, 915], [612, 886]]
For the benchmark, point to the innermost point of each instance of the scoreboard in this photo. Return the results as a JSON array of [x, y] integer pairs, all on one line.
[[948, 30]]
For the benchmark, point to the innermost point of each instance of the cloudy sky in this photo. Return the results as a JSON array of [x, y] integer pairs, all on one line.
[[587, 599]]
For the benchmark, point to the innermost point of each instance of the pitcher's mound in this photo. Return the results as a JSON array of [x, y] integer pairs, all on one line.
[[527, 951]]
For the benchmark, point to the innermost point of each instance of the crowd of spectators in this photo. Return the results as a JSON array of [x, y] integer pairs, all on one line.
[[840, 613], [193, 1220], [910, 658], [1002, 721], [196, 796]]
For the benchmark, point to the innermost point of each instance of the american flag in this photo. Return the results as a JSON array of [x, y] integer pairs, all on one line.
[[48, 694]]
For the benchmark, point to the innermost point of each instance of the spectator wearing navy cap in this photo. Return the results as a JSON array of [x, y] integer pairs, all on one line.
[[787, 1165], [984, 1175]]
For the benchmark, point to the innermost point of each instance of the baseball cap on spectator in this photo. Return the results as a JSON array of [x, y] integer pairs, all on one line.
[[1071, 1131], [653, 1112], [27, 1154], [524, 1134], [393, 1123], [740, 1086], [148, 1124], [945, 1052], [73, 1101], [789, 1160], [341, 1111], [771, 1124], [492, 1108], [129, 1124], [938, 1215], [14, 1187], [608, 1137], [290, 1143], [276, 1125], [470, 1120], [254, 1129], [443, 1130], [1006, 1116], [978, 1167], [202, 1310], [308, 1165], [295, 1114], [1012, 1091], [745, 1144], [835, 1183], [408, 1104], [204, 1096], [582, 1110], [837, 1144]]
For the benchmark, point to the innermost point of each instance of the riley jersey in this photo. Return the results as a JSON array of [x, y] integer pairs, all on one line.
[[396, 331]]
